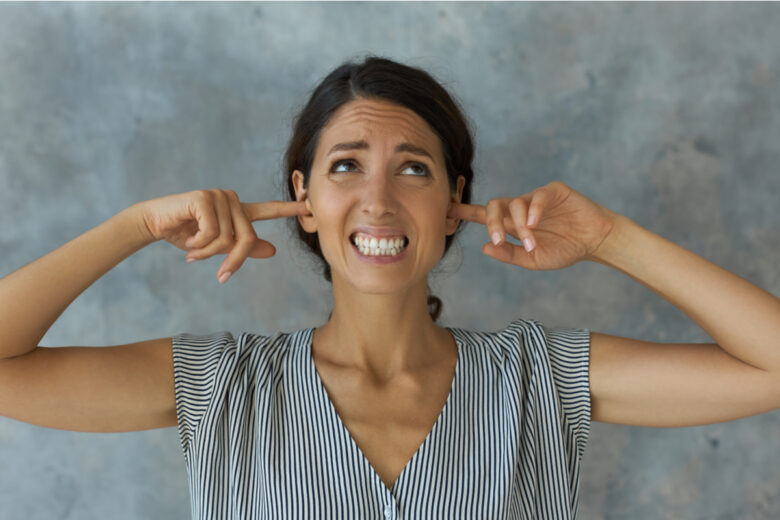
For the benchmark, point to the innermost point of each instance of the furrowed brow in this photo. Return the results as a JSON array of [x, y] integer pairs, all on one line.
[[362, 145], [409, 147]]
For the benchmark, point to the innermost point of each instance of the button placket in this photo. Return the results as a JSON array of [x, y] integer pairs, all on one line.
[[389, 512], [390, 509]]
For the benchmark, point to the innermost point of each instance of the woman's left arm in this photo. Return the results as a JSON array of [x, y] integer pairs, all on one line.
[[637, 382], [742, 318]]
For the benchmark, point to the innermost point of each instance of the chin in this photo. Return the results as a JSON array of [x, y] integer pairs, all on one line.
[[378, 286]]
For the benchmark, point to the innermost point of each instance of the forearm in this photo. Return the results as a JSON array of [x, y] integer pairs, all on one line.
[[739, 316], [34, 296]]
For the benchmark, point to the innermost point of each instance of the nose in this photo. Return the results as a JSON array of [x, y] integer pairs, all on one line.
[[378, 199]]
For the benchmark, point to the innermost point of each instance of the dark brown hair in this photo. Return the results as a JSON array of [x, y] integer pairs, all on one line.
[[384, 79]]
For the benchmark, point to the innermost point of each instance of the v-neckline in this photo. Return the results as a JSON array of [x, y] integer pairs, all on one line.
[[344, 430]]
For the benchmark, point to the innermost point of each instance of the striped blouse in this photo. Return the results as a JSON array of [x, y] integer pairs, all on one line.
[[262, 440]]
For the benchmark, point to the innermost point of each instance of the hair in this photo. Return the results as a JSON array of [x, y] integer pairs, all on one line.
[[381, 79]]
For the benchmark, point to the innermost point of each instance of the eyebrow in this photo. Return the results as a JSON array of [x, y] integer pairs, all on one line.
[[362, 145]]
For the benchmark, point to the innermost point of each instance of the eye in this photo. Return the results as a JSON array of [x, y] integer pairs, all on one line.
[[421, 169], [333, 168]]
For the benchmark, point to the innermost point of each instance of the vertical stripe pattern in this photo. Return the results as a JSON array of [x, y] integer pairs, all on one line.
[[262, 440]]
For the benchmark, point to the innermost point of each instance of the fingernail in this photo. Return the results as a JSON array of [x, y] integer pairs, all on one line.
[[529, 244], [224, 276], [496, 237], [190, 260]]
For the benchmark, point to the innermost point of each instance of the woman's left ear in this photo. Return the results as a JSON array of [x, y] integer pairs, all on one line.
[[452, 222]]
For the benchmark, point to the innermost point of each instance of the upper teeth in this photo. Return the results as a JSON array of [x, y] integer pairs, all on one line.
[[378, 245]]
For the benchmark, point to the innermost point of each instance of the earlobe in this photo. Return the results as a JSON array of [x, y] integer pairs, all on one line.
[[309, 224], [452, 222]]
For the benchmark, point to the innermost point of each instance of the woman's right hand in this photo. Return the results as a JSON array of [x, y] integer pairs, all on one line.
[[211, 222]]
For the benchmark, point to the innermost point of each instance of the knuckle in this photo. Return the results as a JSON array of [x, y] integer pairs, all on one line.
[[203, 253], [203, 196], [517, 204], [247, 239], [210, 233], [225, 243], [242, 251]]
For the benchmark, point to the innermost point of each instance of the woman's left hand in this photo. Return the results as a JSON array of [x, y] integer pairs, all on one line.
[[558, 226]]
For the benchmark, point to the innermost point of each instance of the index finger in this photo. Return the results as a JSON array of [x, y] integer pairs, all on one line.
[[470, 212], [274, 209]]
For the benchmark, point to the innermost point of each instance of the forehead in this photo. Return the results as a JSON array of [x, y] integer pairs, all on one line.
[[364, 119]]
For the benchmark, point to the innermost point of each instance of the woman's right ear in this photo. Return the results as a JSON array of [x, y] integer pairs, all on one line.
[[309, 224]]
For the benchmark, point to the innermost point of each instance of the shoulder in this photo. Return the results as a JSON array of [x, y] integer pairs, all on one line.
[[516, 333], [241, 341], [501, 346], [526, 340], [535, 335], [245, 350]]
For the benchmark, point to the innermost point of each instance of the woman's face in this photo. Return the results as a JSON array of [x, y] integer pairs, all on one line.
[[380, 166]]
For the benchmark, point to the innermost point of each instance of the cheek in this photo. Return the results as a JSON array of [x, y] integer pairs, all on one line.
[[330, 224], [435, 231]]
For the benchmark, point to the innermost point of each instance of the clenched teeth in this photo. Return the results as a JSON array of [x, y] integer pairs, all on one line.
[[371, 246]]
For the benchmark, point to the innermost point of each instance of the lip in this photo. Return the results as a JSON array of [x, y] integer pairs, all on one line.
[[378, 232]]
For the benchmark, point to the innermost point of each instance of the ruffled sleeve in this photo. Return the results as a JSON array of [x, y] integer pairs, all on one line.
[[199, 361]]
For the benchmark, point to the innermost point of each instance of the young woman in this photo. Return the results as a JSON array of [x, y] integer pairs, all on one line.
[[380, 412]]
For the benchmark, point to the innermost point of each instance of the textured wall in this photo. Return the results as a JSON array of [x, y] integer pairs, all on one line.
[[667, 113]]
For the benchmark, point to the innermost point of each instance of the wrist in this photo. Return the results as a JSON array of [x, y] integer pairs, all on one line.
[[615, 242], [133, 225]]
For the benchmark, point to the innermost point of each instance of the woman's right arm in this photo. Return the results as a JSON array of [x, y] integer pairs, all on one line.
[[120, 388], [34, 296], [126, 387]]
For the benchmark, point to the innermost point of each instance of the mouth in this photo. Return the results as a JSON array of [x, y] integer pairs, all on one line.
[[369, 245]]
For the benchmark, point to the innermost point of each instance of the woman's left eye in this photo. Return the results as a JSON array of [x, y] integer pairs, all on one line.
[[420, 166]]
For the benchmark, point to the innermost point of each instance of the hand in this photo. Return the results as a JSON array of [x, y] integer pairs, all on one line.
[[558, 226], [209, 222]]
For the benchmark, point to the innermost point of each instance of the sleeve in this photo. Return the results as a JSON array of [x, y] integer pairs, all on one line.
[[569, 354], [199, 362]]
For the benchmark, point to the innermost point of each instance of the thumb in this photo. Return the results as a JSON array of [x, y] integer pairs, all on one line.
[[502, 253], [262, 249], [508, 253]]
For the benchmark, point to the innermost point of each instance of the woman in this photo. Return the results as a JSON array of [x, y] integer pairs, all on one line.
[[380, 412]]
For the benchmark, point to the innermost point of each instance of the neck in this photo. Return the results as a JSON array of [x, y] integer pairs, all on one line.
[[382, 334]]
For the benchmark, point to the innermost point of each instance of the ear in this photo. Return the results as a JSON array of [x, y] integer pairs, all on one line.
[[309, 224], [452, 222]]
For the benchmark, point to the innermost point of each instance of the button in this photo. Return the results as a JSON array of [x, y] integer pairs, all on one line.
[[388, 512]]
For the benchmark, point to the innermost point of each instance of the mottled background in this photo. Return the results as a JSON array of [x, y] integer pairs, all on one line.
[[666, 113]]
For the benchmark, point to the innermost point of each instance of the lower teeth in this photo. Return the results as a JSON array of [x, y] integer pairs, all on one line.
[[379, 252]]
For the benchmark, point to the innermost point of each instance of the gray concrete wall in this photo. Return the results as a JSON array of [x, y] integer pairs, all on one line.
[[667, 113]]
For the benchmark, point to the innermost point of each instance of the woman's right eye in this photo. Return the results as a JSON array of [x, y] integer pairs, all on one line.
[[337, 164]]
